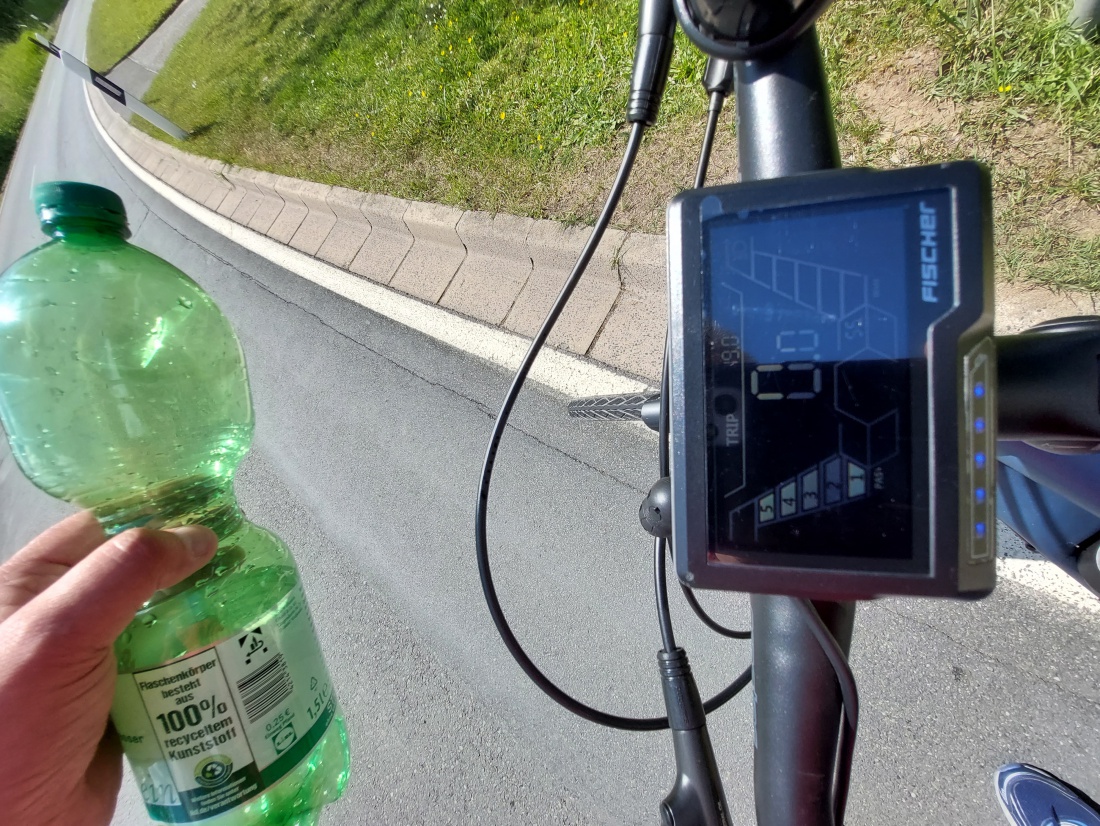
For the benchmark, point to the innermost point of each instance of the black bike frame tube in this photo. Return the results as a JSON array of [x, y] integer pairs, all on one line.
[[785, 127]]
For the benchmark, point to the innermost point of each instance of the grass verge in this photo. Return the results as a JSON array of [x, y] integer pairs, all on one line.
[[117, 27], [467, 103], [21, 64], [470, 103]]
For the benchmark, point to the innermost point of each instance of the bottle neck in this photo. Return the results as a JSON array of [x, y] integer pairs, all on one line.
[[209, 502], [87, 232]]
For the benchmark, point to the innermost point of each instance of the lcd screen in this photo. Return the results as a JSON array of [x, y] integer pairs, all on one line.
[[815, 321]]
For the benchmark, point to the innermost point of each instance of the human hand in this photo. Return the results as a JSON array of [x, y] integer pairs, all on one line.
[[64, 599]]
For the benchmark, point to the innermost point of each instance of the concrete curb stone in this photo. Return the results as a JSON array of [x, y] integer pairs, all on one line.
[[147, 154], [271, 203], [193, 182], [436, 253], [236, 194], [164, 168], [554, 249], [390, 239], [292, 214], [241, 209], [632, 338], [496, 266], [351, 229], [217, 187], [133, 147], [319, 220], [192, 173], [122, 136], [115, 126], [175, 177]]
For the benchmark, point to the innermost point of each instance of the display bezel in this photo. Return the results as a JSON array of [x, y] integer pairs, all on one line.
[[933, 566]]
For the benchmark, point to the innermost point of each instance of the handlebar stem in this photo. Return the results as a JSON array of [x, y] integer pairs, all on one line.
[[785, 127]]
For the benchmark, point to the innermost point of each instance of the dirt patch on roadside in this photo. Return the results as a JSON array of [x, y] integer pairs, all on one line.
[[665, 166], [1046, 188], [1032, 160]]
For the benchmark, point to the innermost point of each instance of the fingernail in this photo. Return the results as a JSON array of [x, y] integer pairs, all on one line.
[[198, 540]]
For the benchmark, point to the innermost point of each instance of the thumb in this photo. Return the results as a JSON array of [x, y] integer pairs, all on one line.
[[95, 600]]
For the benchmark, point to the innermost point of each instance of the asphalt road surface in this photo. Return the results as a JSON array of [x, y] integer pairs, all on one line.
[[368, 442]]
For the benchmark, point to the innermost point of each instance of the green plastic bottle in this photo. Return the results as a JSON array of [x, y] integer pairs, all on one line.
[[123, 390]]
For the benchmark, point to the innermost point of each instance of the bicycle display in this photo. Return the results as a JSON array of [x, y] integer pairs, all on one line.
[[818, 324]]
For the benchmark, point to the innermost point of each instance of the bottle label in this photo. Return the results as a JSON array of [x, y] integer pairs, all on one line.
[[210, 731]]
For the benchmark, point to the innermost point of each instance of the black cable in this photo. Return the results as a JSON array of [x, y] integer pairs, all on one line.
[[850, 697], [717, 99], [709, 621], [743, 679], [729, 692], [660, 587], [481, 506]]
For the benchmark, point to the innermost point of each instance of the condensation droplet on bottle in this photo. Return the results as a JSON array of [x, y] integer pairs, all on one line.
[[186, 303], [221, 569], [51, 371], [57, 392], [125, 637], [149, 620]]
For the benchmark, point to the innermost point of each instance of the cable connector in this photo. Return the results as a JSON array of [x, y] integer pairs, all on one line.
[[718, 76], [697, 797], [652, 57]]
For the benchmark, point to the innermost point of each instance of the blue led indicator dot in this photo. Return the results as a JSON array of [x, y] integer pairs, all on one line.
[[979, 459], [979, 390], [979, 425], [979, 529], [979, 494]]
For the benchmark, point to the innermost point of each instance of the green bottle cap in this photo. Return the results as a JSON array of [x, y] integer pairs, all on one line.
[[59, 201]]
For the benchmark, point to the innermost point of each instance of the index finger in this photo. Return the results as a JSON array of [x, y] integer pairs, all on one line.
[[45, 559]]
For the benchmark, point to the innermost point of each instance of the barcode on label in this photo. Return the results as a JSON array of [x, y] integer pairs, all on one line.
[[265, 688]]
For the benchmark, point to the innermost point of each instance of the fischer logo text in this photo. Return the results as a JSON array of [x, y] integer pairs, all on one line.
[[929, 254]]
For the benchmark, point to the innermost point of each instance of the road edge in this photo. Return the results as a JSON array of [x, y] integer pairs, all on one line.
[[563, 372]]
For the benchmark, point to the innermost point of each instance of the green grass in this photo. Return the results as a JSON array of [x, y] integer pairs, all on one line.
[[21, 64], [474, 104], [470, 104], [117, 27], [1017, 57]]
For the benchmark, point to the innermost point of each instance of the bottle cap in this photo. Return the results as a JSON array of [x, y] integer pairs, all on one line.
[[58, 201]]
